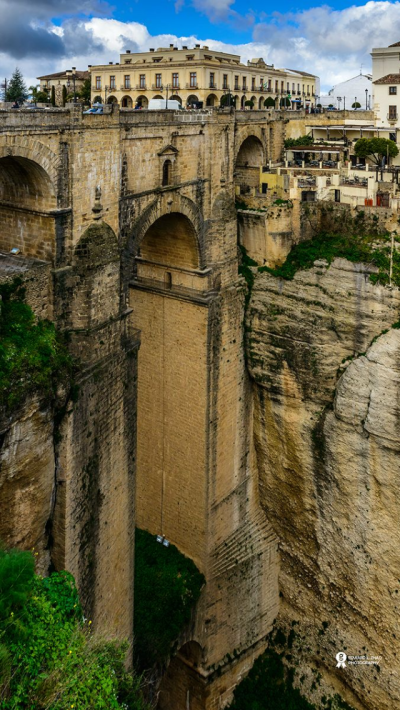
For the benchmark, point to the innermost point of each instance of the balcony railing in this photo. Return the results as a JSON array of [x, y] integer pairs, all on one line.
[[192, 86], [392, 116], [212, 86], [96, 88], [176, 86], [125, 88], [157, 86], [141, 87]]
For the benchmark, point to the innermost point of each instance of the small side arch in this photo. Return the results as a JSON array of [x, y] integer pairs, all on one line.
[[212, 100], [142, 101], [126, 102], [112, 100]]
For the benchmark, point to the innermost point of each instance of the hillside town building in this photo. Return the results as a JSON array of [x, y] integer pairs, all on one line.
[[198, 77], [70, 78]]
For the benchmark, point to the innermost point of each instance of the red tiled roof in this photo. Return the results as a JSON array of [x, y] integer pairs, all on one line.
[[396, 44], [388, 79]]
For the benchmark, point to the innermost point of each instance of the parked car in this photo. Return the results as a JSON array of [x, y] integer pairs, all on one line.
[[94, 109]]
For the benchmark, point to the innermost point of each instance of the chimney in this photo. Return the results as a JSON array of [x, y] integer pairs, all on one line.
[[184, 47], [111, 62], [128, 51], [197, 46], [171, 46], [151, 50]]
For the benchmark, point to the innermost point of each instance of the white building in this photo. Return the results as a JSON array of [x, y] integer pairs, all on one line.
[[346, 93], [386, 82]]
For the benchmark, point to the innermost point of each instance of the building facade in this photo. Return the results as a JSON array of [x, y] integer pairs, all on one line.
[[386, 81], [199, 77], [60, 79]]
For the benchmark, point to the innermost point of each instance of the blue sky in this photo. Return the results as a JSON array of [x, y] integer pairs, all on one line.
[[41, 36]]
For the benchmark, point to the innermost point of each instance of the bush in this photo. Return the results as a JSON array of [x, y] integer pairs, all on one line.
[[33, 355], [48, 657], [175, 585]]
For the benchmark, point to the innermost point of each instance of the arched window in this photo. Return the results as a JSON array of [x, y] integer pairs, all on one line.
[[166, 173]]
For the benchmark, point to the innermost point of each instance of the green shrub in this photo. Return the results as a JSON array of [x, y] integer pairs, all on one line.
[[167, 585], [356, 248], [49, 660], [33, 355]]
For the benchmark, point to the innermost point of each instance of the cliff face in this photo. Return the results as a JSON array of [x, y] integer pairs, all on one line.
[[27, 477], [327, 439]]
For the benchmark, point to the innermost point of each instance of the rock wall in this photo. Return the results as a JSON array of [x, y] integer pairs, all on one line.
[[327, 436]]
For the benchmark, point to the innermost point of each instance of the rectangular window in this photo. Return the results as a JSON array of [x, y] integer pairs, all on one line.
[[269, 84], [244, 85], [236, 82], [253, 83], [293, 88], [98, 82], [158, 81], [393, 137], [298, 88], [212, 80], [308, 90], [287, 88], [392, 112], [276, 85], [225, 81], [261, 83], [175, 81], [193, 79], [112, 82], [392, 90], [142, 81], [127, 81]]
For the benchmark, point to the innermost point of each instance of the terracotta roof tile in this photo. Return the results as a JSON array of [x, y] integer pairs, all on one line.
[[388, 79], [396, 44]]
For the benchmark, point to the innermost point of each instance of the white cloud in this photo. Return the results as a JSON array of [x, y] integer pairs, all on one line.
[[326, 42]]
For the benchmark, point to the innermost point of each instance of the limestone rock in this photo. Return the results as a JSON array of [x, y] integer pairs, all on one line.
[[327, 436]]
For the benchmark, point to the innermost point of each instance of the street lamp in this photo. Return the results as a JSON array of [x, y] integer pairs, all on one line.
[[73, 74], [339, 99], [366, 99], [355, 103], [167, 86]]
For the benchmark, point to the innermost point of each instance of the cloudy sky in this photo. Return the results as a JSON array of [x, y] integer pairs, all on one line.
[[42, 36]]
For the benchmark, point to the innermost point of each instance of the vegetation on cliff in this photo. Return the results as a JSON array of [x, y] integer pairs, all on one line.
[[33, 356], [49, 660], [167, 586], [270, 682], [368, 249]]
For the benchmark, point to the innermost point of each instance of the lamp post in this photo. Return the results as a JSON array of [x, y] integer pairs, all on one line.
[[366, 99], [73, 74], [339, 99], [355, 103]]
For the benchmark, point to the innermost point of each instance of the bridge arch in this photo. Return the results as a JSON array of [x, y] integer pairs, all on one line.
[[33, 150], [182, 686], [27, 202]]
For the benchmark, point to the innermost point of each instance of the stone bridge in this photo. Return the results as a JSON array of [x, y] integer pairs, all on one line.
[[134, 212]]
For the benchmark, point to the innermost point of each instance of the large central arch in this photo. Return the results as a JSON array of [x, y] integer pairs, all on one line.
[[27, 199], [169, 308]]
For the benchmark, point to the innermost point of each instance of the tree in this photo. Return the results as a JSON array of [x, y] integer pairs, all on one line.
[[376, 149], [356, 105], [85, 91], [249, 103], [53, 95], [64, 95], [269, 102], [40, 97], [17, 89], [285, 101]]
